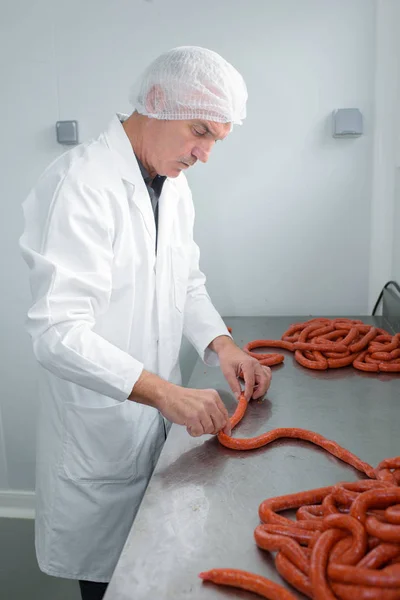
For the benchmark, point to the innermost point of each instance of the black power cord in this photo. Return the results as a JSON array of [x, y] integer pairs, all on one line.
[[395, 284]]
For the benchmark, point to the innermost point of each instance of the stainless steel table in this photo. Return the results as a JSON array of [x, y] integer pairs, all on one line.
[[200, 508]]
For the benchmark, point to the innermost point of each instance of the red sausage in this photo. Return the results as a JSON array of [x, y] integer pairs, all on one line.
[[248, 581], [322, 344], [288, 432]]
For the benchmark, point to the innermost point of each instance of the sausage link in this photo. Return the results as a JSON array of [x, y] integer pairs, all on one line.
[[321, 344], [247, 581], [345, 542]]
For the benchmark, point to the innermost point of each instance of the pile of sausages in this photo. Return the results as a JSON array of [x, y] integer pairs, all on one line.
[[345, 543], [333, 343]]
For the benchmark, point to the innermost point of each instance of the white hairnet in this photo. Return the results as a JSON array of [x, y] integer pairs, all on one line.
[[190, 82]]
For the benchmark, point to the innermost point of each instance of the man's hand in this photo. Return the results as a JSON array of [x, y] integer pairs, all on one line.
[[201, 411], [233, 360]]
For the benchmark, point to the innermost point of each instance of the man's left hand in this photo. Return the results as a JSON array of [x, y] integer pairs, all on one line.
[[233, 361]]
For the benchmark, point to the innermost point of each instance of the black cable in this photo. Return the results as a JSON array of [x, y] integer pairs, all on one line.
[[395, 284]]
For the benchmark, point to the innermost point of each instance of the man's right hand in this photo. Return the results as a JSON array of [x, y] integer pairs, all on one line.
[[200, 411]]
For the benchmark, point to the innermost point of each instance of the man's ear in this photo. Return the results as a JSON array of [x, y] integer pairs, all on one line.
[[155, 101]]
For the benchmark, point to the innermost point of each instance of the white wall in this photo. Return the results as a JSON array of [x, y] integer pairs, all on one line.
[[396, 229], [28, 109], [283, 209], [290, 233], [395, 15], [385, 200]]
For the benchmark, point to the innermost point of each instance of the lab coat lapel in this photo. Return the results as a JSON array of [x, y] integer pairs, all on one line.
[[127, 165], [138, 194], [167, 208], [167, 211]]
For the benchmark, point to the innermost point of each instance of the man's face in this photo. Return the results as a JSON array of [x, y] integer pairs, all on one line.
[[177, 145]]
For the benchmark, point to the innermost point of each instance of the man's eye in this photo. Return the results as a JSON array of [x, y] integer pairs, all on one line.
[[197, 132]]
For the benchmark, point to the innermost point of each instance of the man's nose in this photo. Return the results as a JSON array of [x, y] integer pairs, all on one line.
[[202, 153]]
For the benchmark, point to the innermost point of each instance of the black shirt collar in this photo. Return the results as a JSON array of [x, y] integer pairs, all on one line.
[[146, 176]]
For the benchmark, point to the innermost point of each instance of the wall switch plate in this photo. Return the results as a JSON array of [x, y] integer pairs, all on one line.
[[347, 122], [67, 132]]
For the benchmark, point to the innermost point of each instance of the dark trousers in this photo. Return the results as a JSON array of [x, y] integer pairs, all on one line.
[[92, 590]]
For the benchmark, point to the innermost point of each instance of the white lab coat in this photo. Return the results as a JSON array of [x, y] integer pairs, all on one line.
[[104, 307]]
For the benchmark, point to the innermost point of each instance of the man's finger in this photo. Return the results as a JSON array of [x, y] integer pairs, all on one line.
[[249, 380], [208, 424], [263, 380], [223, 425], [221, 416], [230, 376], [269, 376], [195, 430], [218, 420], [227, 429], [225, 416]]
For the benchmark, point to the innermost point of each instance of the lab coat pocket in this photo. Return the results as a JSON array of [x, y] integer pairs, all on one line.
[[180, 271], [99, 443]]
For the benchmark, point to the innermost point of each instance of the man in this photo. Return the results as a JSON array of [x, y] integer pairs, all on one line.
[[115, 281]]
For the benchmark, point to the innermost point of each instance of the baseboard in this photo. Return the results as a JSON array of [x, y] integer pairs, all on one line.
[[17, 504]]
